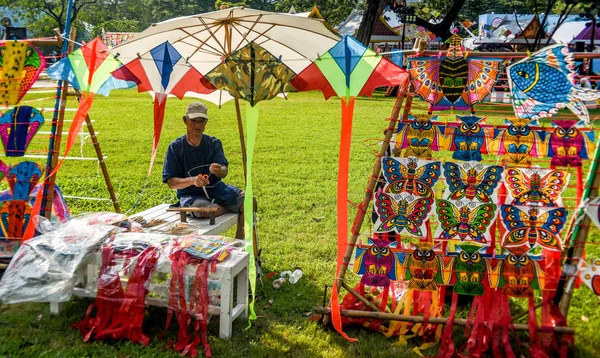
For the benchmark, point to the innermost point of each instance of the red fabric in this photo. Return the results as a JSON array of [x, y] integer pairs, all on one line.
[[120, 314], [446, 349], [198, 306], [94, 53], [311, 79], [160, 101], [385, 74], [342, 209], [134, 72]]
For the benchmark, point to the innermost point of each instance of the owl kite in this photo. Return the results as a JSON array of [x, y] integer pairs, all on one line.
[[420, 136], [520, 273], [469, 138], [518, 143], [569, 144], [379, 262]]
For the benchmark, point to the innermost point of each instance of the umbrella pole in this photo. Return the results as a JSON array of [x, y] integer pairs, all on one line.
[[362, 208]]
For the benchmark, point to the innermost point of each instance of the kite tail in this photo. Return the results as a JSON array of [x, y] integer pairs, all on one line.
[[160, 102], [342, 209]]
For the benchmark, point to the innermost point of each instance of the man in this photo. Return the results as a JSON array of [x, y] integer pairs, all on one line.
[[195, 164]]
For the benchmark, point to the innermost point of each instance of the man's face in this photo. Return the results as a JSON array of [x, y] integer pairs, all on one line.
[[195, 126]]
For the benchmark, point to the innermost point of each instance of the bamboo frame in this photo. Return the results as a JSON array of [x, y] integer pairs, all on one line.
[[420, 319]]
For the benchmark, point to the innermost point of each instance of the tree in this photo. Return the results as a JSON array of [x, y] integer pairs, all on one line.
[[32, 11], [333, 11], [374, 9]]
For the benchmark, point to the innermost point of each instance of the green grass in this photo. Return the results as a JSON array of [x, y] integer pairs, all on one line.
[[295, 171]]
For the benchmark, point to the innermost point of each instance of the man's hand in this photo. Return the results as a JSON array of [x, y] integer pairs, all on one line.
[[200, 180], [218, 170]]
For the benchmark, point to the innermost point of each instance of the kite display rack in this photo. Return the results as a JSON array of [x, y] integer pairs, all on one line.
[[574, 243]]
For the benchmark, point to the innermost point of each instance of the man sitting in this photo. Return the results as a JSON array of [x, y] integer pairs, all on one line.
[[195, 164]]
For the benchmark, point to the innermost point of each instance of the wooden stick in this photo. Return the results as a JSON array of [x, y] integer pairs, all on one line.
[[360, 297], [241, 132], [421, 319]]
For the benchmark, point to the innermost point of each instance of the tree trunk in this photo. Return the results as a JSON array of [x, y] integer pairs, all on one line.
[[374, 10]]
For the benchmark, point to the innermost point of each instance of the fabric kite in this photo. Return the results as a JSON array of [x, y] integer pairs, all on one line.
[[533, 226], [410, 175], [22, 178], [536, 186], [462, 220], [20, 65], [569, 143], [453, 81], [420, 136], [15, 215], [469, 138], [472, 181], [545, 82], [347, 70], [162, 71], [404, 214], [17, 128], [518, 143]]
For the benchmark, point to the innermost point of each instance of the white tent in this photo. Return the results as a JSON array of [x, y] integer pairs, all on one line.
[[568, 30]]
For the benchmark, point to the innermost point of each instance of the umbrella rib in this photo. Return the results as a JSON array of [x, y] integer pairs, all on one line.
[[202, 43], [248, 32], [211, 33], [280, 43]]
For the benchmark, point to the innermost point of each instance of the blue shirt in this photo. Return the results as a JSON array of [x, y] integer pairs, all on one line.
[[184, 160]]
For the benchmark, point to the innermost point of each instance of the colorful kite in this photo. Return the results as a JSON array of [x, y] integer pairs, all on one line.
[[410, 175], [520, 272], [88, 69], [420, 137], [379, 262], [568, 145], [465, 220], [545, 82], [22, 178], [453, 81], [162, 71], [17, 128], [518, 143], [472, 181], [469, 138], [347, 70], [20, 65], [590, 274], [406, 213], [533, 226], [535, 186], [15, 215]]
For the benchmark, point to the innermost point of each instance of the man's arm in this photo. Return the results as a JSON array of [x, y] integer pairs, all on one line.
[[219, 170], [182, 183]]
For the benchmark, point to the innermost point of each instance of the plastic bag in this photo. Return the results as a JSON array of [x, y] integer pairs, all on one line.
[[43, 269]]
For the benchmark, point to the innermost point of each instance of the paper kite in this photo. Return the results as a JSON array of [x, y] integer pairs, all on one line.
[[22, 178], [520, 273], [545, 82], [518, 143], [472, 181], [17, 128], [568, 145], [15, 215], [379, 262], [590, 274], [535, 186], [420, 137], [347, 70], [20, 65], [162, 71], [410, 175], [532, 226], [88, 69], [423, 267], [465, 220], [453, 81], [469, 138], [402, 213], [469, 269]]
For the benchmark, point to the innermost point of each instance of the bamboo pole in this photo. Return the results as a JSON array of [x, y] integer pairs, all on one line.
[[421, 319], [241, 133], [360, 297], [57, 127]]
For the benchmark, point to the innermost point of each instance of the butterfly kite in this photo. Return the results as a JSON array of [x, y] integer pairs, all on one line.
[[472, 181], [409, 175], [465, 220], [533, 226], [536, 186], [406, 213], [453, 81], [543, 83], [20, 65]]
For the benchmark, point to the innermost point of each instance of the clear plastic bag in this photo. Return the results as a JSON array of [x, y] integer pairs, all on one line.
[[43, 270]]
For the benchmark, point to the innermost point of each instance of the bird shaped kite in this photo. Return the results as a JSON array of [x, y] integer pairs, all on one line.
[[545, 82], [347, 70], [163, 71], [20, 65], [454, 81]]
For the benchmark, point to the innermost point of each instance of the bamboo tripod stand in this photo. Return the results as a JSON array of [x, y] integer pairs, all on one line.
[[57, 124]]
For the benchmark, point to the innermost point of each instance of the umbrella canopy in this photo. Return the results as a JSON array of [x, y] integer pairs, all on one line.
[[204, 39]]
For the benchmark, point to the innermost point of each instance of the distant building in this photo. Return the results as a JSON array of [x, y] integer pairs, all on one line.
[[314, 13]]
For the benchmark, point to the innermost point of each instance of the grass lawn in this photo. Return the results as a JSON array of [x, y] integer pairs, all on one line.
[[295, 171]]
